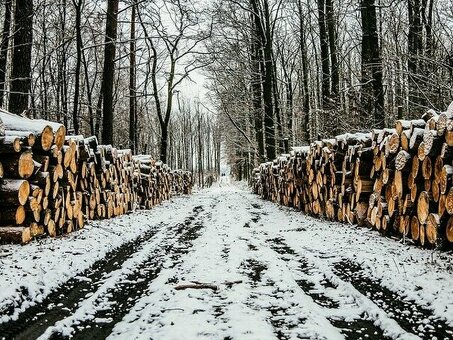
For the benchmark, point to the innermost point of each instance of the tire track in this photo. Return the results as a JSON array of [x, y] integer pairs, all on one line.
[[409, 315], [359, 328], [57, 305], [63, 301], [121, 298]]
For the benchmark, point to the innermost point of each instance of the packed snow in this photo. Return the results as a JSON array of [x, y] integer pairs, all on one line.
[[278, 274]]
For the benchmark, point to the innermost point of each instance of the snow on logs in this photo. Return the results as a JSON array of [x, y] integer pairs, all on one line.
[[396, 180], [51, 183]]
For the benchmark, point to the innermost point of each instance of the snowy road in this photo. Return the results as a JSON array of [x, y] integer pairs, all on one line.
[[280, 275]]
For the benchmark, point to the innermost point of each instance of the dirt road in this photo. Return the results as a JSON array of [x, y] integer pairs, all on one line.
[[278, 274]]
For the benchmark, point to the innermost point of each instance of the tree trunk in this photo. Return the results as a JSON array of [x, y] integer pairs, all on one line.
[[21, 60], [335, 69], [132, 93], [163, 142], [305, 86], [414, 48], [78, 23], [257, 94], [109, 71], [277, 110], [372, 89], [428, 69], [269, 128], [325, 63], [262, 23], [89, 90], [4, 49]]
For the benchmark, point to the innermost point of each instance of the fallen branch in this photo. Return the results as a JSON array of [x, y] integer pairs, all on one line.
[[197, 286], [230, 284]]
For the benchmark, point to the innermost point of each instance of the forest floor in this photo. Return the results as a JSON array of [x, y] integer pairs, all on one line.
[[277, 274]]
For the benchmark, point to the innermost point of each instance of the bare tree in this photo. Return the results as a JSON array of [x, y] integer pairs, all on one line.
[[21, 60], [180, 56], [372, 89], [132, 83], [109, 71], [78, 4], [4, 48]]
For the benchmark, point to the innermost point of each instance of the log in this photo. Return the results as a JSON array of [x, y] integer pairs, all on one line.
[[14, 215], [27, 138], [19, 165], [402, 161], [330, 178], [14, 192], [449, 230], [423, 207], [433, 235], [10, 144], [42, 129], [15, 234], [415, 228]]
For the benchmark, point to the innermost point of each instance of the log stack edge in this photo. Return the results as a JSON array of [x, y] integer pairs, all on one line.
[[398, 180], [51, 183]]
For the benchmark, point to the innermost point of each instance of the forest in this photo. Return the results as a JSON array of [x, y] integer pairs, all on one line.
[[192, 81]]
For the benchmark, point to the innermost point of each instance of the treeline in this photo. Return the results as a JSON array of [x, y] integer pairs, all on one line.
[[118, 70], [280, 72], [287, 72]]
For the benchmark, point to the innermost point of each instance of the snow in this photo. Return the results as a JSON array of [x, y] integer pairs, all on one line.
[[49, 263], [269, 263]]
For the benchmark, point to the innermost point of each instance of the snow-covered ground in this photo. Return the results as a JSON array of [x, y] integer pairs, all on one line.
[[279, 274]]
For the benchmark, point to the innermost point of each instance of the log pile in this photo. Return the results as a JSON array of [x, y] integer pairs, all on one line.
[[398, 180], [51, 183]]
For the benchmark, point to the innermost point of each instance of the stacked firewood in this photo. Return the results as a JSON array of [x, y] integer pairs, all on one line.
[[51, 183], [397, 180]]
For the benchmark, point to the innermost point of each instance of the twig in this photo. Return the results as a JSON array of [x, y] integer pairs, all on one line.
[[396, 265]]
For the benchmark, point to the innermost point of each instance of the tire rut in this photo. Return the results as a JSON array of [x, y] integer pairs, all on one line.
[[360, 328], [58, 304], [410, 316], [120, 299], [63, 301]]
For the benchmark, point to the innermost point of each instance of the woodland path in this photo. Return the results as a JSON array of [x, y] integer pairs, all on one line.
[[279, 275]]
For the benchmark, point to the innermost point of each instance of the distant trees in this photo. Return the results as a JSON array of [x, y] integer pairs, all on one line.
[[117, 82], [281, 72], [355, 65], [181, 37]]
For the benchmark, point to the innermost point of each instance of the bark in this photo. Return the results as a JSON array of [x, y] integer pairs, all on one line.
[[372, 89], [78, 23], [89, 90], [132, 83], [305, 86], [257, 95], [21, 60], [98, 115], [277, 110], [289, 94], [109, 71], [331, 29], [262, 23], [427, 7], [414, 48], [325, 63], [4, 48]]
